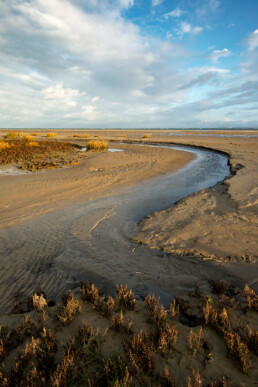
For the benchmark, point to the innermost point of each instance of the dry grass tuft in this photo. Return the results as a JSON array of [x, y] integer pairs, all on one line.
[[195, 340], [155, 313], [167, 378], [70, 308], [220, 287], [4, 145], [251, 298], [174, 310], [90, 293], [118, 322], [39, 302], [97, 145], [32, 143], [76, 135], [35, 134], [51, 134], [141, 353], [146, 136], [195, 380], [238, 349], [87, 135], [12, 135], [125, 297]]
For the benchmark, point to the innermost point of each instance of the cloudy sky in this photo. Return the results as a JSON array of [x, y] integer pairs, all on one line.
[[128, 63]]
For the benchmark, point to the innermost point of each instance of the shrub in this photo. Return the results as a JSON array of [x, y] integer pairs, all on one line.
[[90, 293], [97, 145], [251, 298], [195, 340], [32, 143], [174, 310], [117, 322], [155, 313], [70, 308], [141, 352], [76, 135], [39, 302], [238, 349], [51, 134], [195, 380], [4, 145], [35, 134], [220, 287], [147, 136], [86, 135], [12, 135], [125, 297]]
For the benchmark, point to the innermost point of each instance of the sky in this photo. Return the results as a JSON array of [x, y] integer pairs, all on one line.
[[128, 63]]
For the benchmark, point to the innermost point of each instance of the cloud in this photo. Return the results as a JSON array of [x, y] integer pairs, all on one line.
[[155, 3], [252, 41], [216, 54], [186, 28], [177, 12], [208, 7]]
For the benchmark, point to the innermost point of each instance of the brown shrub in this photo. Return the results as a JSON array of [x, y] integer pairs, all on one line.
[[51, 134], [64, 370], [125, 297], [39, 302], [12, 135], [238, 349], [195, 380], [97, 145], [118, 321], [220, 287], [105, 307], [4, 145], [32, 143], [174, 310], [90, 293], [251, 298], [146, 136], [155, 313], [195, 340], [70, 308], [167, 378], [140, 353]]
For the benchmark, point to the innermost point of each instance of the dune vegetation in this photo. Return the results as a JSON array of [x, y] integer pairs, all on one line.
[[97, 145], [95, 340]]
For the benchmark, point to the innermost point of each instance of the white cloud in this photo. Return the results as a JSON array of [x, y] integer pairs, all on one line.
[[187, 28], [155, 3], [58, 92], [177, 12], [252, 40], [216, 54]]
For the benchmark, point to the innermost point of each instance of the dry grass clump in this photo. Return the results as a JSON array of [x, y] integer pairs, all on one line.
[[238, 349], [250, 337], [86, 135], [174, 310], [4, 145], [146, 136], [155, 313], [35, 134], [50, 134], [96, 135], [195, 340], [194, 380], [167, 378], [12, 135], [95, 297], [70, 308], [140, 353], [97, 145], [39, 302], [251, 298], [119, 324], [121, 135], [32, 143], [220, 287], [125, 297], [76, 135], [164, 338]]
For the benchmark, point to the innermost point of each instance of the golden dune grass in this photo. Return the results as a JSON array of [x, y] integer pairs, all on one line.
[[51, 134], [4, 145], [32, 143], [147, 136], [97, 145], [12, 135]]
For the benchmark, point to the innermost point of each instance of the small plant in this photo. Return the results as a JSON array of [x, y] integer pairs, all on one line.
[[4, 145], [76, 135], [238, 349], [105, 307], [70, 308], [174, 310], [195, 340], [147, 136], [39, 302], [86, 135], [155, 313], [220, 287], [34, 134], [32, 143], [117, 322], [90, 293], [251, 298], [97, 145], [167, 377], [12, 135], [140, 353], [51, 134], [194, 380], [125, 297]]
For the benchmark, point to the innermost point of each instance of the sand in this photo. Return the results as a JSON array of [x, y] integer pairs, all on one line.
[[42, 230]]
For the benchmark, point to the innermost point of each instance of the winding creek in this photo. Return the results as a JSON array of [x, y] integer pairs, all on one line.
[[92, 241]]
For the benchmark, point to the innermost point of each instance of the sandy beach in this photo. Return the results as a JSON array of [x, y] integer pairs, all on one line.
[[218, 223]]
